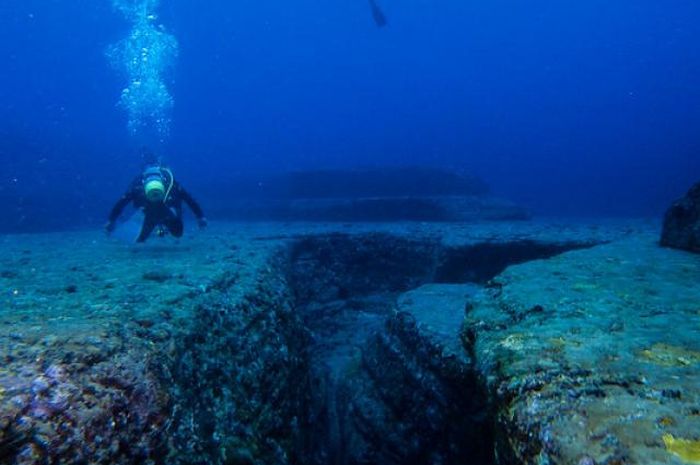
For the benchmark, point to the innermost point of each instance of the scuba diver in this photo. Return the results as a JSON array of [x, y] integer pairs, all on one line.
[[377, 14], [160, 198]]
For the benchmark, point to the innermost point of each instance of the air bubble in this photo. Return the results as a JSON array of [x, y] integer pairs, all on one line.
[[145, 56]]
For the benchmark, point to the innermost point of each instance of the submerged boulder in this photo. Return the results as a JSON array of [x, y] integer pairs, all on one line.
[[682, 222]]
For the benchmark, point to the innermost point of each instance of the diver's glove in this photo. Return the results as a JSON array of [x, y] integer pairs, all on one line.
[[202, 222], [110, 227]]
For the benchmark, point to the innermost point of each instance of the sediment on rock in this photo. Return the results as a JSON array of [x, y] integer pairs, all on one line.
[[591, 356], [242, 377]]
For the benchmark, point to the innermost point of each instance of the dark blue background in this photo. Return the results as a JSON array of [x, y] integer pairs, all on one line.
[[572, 108]]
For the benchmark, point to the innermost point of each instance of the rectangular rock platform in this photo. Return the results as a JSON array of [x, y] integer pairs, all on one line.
[[593, 356]]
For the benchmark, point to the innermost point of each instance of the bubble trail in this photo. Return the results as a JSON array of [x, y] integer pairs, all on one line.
[[145, 56]]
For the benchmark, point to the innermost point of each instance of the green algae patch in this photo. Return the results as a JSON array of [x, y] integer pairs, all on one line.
[[670, 356], [687, 450]]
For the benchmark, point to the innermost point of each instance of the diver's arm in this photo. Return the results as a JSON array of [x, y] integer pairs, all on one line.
[[194, 206], [119, 206]]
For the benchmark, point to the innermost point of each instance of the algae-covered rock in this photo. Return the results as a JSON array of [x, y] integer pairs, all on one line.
[[242, 375], [199, 352], [592, 356], [687, 450], [682, 222], [414, 398], [160, 355]]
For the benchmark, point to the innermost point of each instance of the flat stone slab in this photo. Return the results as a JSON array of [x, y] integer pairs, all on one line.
[[439, 312], [593, 356]]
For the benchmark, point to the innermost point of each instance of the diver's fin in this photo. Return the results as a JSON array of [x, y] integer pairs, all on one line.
[[377, 14]]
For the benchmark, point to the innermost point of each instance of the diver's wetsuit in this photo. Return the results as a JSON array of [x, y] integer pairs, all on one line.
[[167, 213]]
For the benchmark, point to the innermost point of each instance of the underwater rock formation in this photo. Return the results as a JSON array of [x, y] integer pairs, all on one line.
[[393, 383], [206, 367], [380, 194], [414, 398], [592, 357], [267, 344], [681, 228], [453, 209], [90, 405], [242, 376], [368, 183]]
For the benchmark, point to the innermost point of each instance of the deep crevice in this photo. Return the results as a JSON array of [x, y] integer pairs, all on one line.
[[386, 392], [479, 263]]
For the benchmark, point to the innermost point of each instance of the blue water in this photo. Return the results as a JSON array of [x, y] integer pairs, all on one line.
[[587, 108]]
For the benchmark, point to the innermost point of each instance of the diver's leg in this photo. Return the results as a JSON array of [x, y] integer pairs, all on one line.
[[175, 225], [146, 229]]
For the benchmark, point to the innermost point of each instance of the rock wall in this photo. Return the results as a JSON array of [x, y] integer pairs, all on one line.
[[681, 228], [592, 357], [413, 401], [241, 376], [393, 383]]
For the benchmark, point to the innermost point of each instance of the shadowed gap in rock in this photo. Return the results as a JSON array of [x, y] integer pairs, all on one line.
[[387, 393]]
